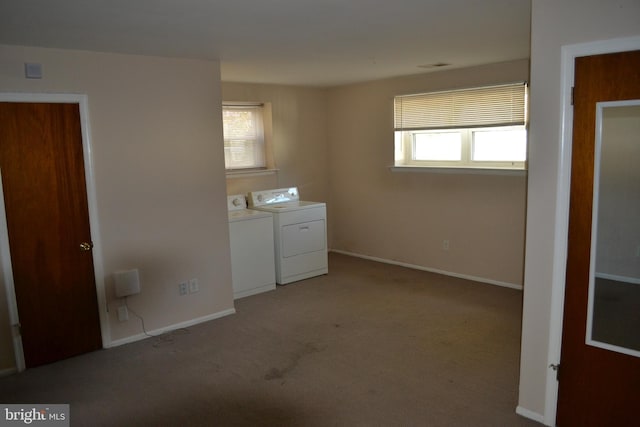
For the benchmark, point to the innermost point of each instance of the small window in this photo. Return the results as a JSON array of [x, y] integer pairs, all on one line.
[[244, 146], [437, 146], [470, 128], [507, 144]]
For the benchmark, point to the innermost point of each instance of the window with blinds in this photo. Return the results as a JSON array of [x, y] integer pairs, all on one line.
[[482, 127], [243, 130]]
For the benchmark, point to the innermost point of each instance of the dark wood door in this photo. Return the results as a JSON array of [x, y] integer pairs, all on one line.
[[41, 161], [597, 387]]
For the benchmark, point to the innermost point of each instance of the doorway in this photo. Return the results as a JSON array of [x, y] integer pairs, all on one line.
[[597, 385], [69, 316], [568, 55]]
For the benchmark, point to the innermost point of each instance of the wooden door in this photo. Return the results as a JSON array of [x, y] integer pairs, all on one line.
[[41, 161], [597, 387]]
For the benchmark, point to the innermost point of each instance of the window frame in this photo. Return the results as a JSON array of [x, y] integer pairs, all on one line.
[[407, 151], [260, 141], [404, 137]]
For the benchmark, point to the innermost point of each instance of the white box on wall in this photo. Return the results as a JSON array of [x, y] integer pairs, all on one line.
[[127, 282]]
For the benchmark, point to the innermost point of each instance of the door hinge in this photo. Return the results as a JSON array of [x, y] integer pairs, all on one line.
[[573, 90], [556, 367]]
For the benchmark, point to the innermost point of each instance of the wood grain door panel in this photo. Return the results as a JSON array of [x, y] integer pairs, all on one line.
[[41, 158]]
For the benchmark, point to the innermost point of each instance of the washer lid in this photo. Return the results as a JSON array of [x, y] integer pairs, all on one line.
[[248, 214]]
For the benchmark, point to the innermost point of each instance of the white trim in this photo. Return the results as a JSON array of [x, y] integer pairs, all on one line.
[[98, 266], [7, 270], [530, 414], [595, 206], [459, 170], [569, 54], [94, 223], [249, 173], [612, 347], [254, 291], [173, 327], [7, 372], [431, 270]]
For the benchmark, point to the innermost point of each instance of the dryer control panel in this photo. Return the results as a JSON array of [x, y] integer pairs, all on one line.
[[270, 197]]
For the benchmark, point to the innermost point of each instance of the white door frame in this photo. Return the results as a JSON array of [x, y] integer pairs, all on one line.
[[569, 54], [98, 267]]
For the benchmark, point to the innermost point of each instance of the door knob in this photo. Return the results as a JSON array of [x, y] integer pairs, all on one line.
[[86, 246]]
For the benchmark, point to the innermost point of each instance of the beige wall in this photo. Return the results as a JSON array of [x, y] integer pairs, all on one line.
[[554, 24], [299, 138], [405, 216], [159, 172]]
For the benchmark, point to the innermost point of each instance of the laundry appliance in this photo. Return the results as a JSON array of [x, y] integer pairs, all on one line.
[[300, 233], [252, 248]]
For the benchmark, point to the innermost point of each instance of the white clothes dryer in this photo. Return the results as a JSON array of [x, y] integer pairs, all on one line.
[[252, 248], [300, 233]]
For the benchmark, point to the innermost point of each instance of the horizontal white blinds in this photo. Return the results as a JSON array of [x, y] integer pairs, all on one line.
[[241, 121], [503, 105], [243, 130]]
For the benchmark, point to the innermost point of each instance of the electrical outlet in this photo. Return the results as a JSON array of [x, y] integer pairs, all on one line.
[[123, 313], [183, 288], [194, 286], [445, 245]]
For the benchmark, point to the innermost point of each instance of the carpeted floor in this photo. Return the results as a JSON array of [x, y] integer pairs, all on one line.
[[369, 344]]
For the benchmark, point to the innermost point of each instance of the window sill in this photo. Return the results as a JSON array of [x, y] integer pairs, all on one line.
[[459, 170], [249, 173]]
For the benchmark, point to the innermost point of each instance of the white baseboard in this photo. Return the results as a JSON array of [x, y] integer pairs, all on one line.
[[616, 278], [254, 291], [530, 414], [173, 327], [432, 270], [7, 372]]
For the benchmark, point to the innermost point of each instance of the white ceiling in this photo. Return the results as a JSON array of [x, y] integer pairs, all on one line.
[[305, 42]]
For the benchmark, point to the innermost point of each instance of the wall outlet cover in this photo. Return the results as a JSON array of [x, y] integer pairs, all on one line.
[[123, 313], [183, 288]]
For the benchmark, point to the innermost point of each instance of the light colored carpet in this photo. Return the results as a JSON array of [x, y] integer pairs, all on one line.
[[369, 344]]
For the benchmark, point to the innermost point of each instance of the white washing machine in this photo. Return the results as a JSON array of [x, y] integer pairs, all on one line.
[[252, 248], [300, 233]]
